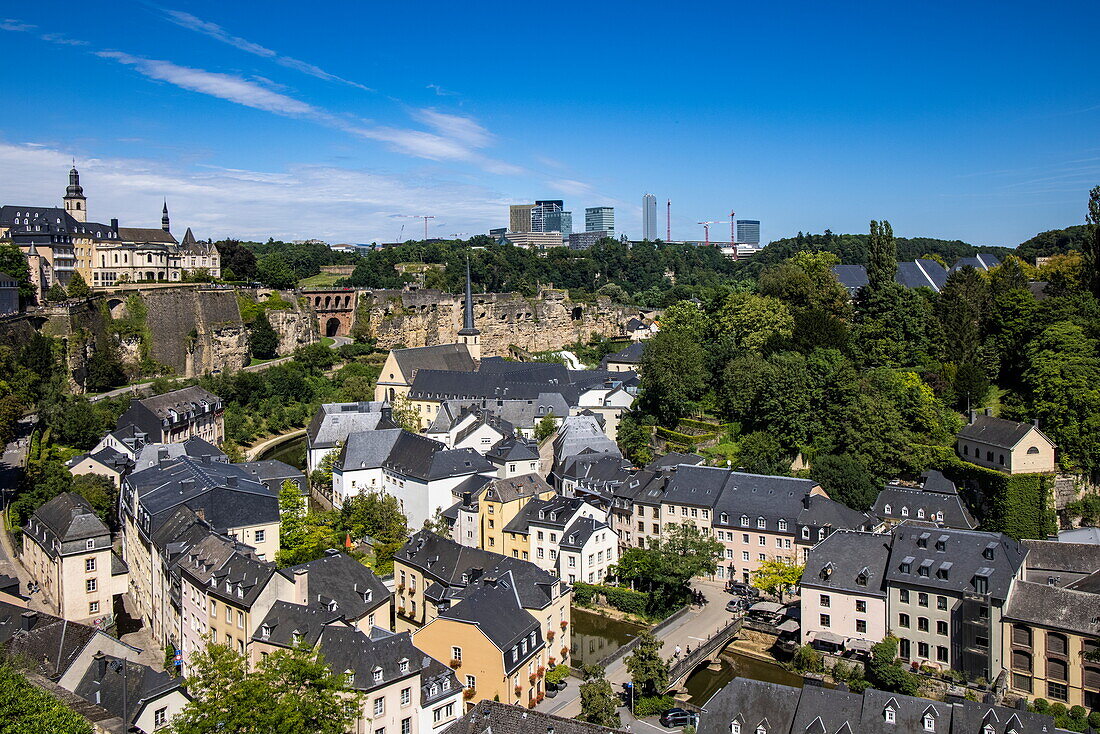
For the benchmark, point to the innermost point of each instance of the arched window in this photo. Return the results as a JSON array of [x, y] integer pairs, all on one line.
[[920, 513], [1057, 644], [905, 512], [1057, 669], [886, 509], [1033, 450], [744, 521], [783, 525]]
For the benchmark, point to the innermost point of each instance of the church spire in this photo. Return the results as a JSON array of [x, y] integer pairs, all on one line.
[[469, 334], [74, 201], [164, 217]]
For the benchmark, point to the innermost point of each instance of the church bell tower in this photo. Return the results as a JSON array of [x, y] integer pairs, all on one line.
[[75, 203]]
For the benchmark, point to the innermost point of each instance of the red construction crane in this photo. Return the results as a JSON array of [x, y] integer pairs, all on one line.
[[706, 230]]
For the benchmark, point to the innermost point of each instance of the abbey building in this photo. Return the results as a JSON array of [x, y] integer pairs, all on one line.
[[61, 241]]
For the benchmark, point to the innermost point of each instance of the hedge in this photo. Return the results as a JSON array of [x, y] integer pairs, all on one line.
[[685, 438], [652, 705], [617, 597], [1016, 504]]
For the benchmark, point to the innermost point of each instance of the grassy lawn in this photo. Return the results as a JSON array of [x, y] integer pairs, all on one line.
[[255, 361], [321, 280], [327, 341]]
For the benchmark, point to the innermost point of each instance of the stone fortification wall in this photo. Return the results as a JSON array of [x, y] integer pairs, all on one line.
[[195, 331], [427, 317]]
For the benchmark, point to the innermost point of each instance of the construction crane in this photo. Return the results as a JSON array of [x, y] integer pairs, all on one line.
[[706, 230], [425, 218], [401, 232], [733, 232], [668, 221]]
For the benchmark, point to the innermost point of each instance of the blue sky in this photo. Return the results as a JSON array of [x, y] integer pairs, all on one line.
[[343, 120]]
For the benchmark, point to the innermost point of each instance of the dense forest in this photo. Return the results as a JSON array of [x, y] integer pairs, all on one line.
[[876, 387]]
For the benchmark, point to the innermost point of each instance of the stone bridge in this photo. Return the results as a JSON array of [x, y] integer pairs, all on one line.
[[335, 309], [705, 654]]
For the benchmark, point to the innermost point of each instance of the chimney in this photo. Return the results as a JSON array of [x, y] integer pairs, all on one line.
[[973, 415], [231, 481], [162, 453], [806, 501], [100, 665], [467, 497], [200, 513], [387, 414], [28, 620], [1035, 422], [989, 412], [114, 224], [301, 585]]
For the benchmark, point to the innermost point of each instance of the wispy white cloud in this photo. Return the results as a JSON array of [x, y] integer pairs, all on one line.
[[571, 187], [456, 127], [62, 40], [440, 91], [224, 86], [11, 24], [294, 203], [215, 31]]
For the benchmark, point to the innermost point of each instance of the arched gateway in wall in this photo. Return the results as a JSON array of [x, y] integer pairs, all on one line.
[[335, 310]]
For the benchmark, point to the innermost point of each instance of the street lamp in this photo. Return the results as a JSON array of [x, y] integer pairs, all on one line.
[[630, 687]]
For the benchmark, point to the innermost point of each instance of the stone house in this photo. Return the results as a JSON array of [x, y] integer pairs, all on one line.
[[843, 596], [1004, 445], [67, 549], [177, 416]]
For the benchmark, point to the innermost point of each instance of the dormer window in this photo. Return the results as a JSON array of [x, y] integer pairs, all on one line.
[[296, 638], [783, 526], [761, 729], [886, 509], [744, 521], [760, 523], [349, 676], [404, 665], [724, 518], [929, 722], [805, 533], [988, 729], [890, 715], [368, 595], [821, 533], [905, 512], [265, 632], [376, 674], [735, 727]]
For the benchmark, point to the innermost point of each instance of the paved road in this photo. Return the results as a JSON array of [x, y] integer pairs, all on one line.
[[11, 468], [690, 630], [252, 453]]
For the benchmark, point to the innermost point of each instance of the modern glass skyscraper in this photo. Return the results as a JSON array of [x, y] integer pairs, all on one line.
[[558, 221], [748, 231], [649, 217], [600, 219], [543, 212]]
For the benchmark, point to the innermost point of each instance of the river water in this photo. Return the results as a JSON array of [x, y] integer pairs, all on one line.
[[596, 636], [291, 452]]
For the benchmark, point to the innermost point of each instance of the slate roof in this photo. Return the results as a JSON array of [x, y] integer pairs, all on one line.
[[630, 355], [108, 457], [146, 235], [492, 604], [925, 503], [333, 422], [852, 277], [819, 511], [845, 557], [227, 495], [238, 575], [577, 534], [978, 262], [337, 577], [450, 385], [513, 448], [437, 357], [444, 561], [152, 454], [285, 619], [347, 649], [578, 433], [182, 400], [826, 711], [909, 713], [971, 717], [1052, 555], [123, 687], [1055, 607], [514, 488], [752, 702], [368, 449], [51, 643], [555, 512], [921, 273], [493, 717], [755, 495], [410, 454], [962, 558], [68, 517], [272, 473], [1080, 535], [996, 431]]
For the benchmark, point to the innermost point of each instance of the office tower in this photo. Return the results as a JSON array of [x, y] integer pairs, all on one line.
[[542, 212], [558, 221], [748, 231], [649, 217], [519, 217], [600, 219]]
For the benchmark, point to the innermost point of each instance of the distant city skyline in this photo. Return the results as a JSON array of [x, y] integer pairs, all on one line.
[[256, 125]]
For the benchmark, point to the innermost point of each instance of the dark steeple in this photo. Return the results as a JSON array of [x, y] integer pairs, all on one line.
[[468, 328], [164, 217], [74, 189]]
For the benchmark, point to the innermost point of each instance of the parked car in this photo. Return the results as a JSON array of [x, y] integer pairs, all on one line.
[[679, 717], [739, 589], [736, 605]]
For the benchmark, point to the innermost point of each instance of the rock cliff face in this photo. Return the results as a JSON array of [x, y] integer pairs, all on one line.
[[423, 318], [195, 331], [296, 328]]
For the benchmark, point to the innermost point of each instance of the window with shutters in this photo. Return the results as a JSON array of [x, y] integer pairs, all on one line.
[[1021, 635], [1057, 644], [1021, 661], [1057, 669]]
